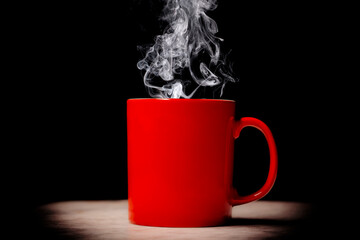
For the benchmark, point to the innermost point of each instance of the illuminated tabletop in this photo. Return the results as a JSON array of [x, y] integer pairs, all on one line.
[[109, 220]]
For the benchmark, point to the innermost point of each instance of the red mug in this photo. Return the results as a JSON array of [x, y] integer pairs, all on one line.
[[180, 161]]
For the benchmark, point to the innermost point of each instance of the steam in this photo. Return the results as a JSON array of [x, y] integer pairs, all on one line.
[[188, 44]]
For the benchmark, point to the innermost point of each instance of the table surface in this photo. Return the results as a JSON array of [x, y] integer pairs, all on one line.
[[109, 220]]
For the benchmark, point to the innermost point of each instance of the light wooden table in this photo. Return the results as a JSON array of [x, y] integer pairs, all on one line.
[[109, 220]]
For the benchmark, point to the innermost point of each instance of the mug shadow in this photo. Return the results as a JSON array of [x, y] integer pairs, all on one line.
[[285, 220], [281, 229], [272, 222]]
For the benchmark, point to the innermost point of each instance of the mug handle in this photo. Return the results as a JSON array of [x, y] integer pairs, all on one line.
[[256, 123]]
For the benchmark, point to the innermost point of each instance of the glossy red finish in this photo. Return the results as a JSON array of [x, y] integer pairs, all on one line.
[[180, 161]]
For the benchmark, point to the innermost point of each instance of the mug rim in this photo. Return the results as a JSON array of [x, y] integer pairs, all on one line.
[[182, 99]]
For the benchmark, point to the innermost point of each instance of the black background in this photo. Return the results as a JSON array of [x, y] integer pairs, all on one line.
[[78, 68]]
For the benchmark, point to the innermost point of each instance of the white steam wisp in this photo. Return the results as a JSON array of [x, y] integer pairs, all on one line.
[[188, 44]]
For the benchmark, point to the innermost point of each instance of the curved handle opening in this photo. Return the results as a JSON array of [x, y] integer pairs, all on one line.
[[265, 189]]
